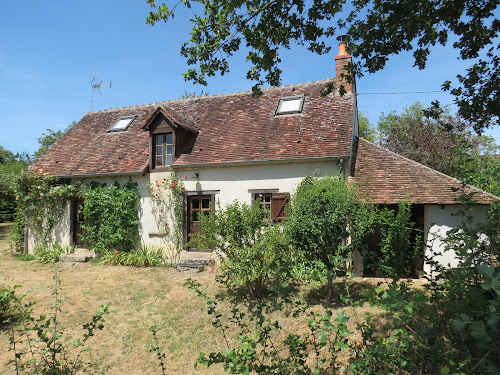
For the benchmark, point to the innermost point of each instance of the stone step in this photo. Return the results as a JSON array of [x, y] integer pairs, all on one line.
[[75, 257], [190, 261], [86, 252], [195, 262]]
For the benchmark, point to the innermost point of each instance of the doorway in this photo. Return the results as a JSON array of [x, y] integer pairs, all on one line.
[[77, 221], [197, 205]]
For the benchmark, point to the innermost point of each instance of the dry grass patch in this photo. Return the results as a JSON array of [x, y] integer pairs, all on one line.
[[138, 299]]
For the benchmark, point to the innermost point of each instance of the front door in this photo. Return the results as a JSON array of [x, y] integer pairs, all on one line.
[[197, 205], [77, 218]]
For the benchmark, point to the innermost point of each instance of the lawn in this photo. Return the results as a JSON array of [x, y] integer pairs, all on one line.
[[139, 298]]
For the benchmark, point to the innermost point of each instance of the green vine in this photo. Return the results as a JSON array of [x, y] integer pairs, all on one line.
[[41, 202], [111, 217], [166, 202]]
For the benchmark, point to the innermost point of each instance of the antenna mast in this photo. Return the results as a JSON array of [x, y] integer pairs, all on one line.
[[96, 86]]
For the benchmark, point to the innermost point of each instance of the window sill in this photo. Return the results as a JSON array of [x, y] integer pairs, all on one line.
[[162, 169]]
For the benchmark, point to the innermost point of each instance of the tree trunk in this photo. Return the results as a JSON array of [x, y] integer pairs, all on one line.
[[329, 288]]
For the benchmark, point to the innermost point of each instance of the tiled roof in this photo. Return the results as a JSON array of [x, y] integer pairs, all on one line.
[[386, 177], [231, 128]]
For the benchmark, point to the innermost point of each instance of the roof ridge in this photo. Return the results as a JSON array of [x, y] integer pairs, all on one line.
[[221, 95], [429, 168]]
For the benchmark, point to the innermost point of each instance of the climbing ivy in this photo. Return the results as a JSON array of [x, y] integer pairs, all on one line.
[[41, 202], [111, 216], [166, 203]]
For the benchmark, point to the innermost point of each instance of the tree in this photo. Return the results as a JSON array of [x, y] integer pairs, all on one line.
[[325, 213], [377, 30], [10, 165], [46, 140], [366, 129], [444, 144]]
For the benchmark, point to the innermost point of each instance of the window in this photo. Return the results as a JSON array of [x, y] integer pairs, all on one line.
[[163, 150], [290, 105], [122, 124], [274, 203]]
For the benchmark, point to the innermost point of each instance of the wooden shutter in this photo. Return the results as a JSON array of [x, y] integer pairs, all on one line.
[[278, 206]]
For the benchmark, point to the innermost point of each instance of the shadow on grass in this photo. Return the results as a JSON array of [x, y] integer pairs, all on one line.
[[297, 294], [316, 295]]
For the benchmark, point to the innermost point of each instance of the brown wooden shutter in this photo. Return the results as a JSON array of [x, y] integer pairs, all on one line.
[[278, 206]]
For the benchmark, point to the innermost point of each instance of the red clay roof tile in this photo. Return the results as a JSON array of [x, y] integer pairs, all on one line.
[[231, 128], [387, 178]]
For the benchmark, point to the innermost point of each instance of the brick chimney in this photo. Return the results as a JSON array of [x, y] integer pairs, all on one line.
[[341, 60]]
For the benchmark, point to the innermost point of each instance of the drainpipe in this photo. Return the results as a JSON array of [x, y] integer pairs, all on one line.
[[25, 249], [342, 170]]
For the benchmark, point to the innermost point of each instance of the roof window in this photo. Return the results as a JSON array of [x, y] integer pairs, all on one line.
[[290, 105], [122, 124]]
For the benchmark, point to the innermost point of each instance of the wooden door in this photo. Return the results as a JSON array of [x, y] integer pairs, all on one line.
[[77, 218], [197, 205]]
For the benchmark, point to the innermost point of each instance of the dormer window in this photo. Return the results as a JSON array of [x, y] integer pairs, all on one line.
[[290, 105], [163, 149], [122, 124]]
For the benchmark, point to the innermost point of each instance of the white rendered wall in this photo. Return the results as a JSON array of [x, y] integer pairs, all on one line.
[[227, 183], [444, 218], [61, 234], [237, 183]]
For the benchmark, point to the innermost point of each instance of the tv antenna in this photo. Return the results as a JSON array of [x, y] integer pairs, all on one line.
[[96, 86]]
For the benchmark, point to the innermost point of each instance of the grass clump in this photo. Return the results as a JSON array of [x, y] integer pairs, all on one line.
[[24, 256]]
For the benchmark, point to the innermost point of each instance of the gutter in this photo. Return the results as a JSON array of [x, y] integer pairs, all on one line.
[[102, 174], [256, 162]]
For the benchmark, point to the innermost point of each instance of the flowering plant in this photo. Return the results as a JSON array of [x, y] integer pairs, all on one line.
[[166, 201]]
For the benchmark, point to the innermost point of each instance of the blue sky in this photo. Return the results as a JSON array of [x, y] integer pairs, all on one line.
[[51, 50]]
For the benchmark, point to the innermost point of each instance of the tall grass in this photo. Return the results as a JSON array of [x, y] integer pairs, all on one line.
[[51, 253], [146, 256]]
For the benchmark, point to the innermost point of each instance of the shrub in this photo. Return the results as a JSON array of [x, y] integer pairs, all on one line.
[[8, 313], [325, 212], [254, 253], [400, 246]]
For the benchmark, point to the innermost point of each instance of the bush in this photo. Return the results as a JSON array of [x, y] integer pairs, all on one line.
[[400, 247], [144, 257], [8, 313], [325, 212], [254, 253]]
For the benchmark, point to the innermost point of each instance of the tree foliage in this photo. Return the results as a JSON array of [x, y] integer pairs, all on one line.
[[46, 140], [377, 31], [447, 144], [10, 165], [366, 128]]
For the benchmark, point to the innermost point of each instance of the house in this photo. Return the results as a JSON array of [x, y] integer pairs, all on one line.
[[240, 147]]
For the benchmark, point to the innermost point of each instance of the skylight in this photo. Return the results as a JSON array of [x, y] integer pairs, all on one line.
[[122, 124], [290, 105]]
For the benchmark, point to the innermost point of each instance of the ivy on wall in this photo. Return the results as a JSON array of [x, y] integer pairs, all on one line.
[[166, 202], [41, 201], [111, 216]]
